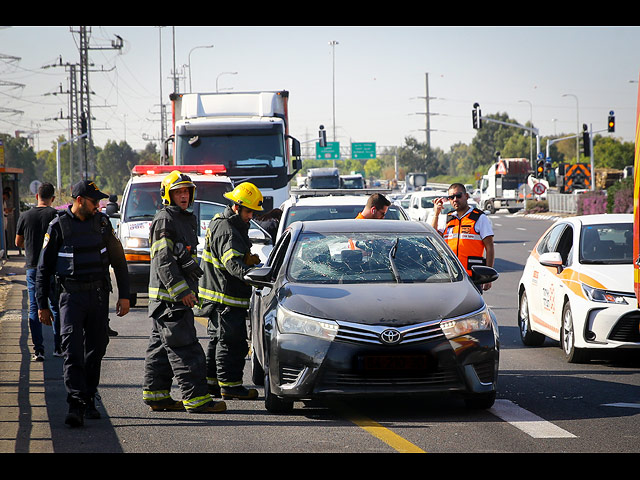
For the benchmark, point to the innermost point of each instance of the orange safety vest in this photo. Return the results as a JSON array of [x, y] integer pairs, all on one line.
[[464, 240]]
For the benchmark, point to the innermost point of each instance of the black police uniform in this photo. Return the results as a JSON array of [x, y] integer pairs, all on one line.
[[79, 252]]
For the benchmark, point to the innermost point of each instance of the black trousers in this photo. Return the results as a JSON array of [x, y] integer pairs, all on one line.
[[228, 346], [84, 320]]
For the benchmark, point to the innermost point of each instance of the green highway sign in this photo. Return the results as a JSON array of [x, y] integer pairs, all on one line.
[[330, 152], [363, 150]]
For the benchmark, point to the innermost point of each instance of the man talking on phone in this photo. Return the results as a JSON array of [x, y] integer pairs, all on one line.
[[468, 231]]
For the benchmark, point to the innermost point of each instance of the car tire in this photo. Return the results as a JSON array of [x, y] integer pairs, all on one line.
[[527, 335], [257, 372], [273, 403], [480, 401], [567, 338]]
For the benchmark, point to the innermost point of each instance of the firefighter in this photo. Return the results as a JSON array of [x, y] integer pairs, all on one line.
[[78, 248], [174, 349], [225, 296], [468, 230]]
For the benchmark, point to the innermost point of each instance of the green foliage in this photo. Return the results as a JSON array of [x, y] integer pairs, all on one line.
[[620, 196]]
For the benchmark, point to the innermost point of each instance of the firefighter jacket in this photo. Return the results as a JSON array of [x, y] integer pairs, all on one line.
[[80, 252], [226, 244], [172, 228], [464, 238]]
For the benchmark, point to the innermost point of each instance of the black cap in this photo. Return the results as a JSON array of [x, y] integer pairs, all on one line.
[[86, 188]]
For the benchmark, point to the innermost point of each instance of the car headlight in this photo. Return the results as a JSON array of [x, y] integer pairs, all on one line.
[[290, 322], [603, 296], [136, 242], [461, 326]]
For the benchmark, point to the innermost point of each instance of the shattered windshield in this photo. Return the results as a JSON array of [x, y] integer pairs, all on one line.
[[372, 258]]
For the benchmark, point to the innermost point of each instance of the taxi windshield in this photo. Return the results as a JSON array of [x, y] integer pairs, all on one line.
[[607, 243]]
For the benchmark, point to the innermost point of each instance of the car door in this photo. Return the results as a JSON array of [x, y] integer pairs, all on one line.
[[550, 282]]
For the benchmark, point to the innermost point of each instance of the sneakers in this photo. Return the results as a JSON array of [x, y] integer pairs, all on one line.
[[75, 417], [167, 405], [209, 407], [38, 357], [239, 393]]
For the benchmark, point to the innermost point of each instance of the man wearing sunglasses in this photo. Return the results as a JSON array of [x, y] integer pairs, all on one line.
[[468, 230]]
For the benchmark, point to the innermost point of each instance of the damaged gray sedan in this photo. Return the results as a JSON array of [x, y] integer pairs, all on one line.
[[373, 308]]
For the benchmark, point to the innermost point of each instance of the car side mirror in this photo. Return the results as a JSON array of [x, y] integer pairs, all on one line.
[[551, 259], [259, 277], [481, 274]]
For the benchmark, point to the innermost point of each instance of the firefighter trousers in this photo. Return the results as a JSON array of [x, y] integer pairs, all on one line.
[[174, 351], [228, 346]]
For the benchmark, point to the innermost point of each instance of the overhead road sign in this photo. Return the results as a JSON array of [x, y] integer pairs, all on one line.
[[363, 150], [330, 152]]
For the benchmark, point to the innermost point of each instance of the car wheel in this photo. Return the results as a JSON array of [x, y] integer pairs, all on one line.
[[273, 403], [528, 336], [480, 401], [257, 372], [567, 338]]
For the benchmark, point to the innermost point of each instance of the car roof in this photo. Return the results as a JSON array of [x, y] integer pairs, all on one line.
[[362, 225], [329, 200], [599, 219]]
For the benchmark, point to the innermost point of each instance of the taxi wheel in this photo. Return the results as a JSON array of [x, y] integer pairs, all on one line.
[[567, 338], [528, 336], [273, 403]]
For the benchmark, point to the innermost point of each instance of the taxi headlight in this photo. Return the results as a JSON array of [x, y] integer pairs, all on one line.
[[290, 322], [603, 296], [462, 326], [136, 242]]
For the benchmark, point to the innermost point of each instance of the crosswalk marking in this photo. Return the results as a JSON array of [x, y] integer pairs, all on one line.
[[526, 421]]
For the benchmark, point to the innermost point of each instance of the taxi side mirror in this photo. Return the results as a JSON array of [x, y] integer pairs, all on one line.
[[551, 259]]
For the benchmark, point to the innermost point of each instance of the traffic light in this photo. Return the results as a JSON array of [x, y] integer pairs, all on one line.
[[322, 136], [540, 169], [586, 141], [475, 116], [611, 123]]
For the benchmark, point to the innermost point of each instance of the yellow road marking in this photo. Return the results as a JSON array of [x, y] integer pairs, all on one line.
[[372, 427]]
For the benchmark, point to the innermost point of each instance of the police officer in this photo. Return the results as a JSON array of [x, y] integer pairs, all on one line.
[[174, 348], [78, 248], [225, 296]]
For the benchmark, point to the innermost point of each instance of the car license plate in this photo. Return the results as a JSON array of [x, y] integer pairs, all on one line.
[[385, 363]]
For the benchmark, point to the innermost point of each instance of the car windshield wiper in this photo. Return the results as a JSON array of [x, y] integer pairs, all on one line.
[[138, 217], [392, 256]]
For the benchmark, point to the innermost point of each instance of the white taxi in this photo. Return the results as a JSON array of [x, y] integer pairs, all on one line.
[[577, 287]]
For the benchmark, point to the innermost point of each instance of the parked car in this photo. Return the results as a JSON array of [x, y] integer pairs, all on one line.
[[372, 308], [577, 287]]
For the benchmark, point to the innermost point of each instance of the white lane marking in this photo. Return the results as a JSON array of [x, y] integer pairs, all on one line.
[[622, 404], [520, 228], [526, 421]]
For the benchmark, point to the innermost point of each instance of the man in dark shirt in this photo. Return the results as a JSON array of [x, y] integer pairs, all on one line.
[[32, 225]]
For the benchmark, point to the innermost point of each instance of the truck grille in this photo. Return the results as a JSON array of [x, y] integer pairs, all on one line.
[[371, 334]]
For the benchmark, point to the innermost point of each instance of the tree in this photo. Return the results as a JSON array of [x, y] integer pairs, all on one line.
[[113, 166]]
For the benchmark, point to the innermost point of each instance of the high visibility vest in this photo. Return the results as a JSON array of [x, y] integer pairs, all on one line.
[[464, 239]]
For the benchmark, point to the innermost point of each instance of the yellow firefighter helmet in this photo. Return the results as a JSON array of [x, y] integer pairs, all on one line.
[[173, 181], [247, 195]]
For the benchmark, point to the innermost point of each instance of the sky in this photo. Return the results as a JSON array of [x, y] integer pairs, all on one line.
[[558, 77]]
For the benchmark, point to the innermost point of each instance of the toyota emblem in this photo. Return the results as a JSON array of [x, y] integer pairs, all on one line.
[[390, 336]]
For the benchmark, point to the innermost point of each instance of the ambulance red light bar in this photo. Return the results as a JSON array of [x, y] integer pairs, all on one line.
[[160, 169]]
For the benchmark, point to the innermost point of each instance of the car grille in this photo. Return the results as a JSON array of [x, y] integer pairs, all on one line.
[[447, 377], [371, 334], [626, 329]]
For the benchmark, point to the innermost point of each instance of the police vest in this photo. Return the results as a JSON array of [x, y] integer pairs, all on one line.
[[83, 253], [464, 239]]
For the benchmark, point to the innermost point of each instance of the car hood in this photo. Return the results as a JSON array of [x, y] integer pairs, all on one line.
[[617, 278], [382, 304]]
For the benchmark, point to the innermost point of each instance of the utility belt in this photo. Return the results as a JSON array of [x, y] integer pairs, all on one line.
[[75, 285]]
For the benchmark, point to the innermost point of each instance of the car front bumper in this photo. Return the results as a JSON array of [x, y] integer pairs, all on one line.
[[302, 367]]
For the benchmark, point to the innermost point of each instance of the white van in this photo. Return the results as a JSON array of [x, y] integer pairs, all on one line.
[[421, 204], [140, 201]]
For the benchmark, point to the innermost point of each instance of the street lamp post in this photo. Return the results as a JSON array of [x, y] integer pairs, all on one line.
[[577, 124], [189, 58], [333, 44]]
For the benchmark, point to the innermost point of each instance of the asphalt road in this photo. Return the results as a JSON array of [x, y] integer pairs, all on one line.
[[544, 404]]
